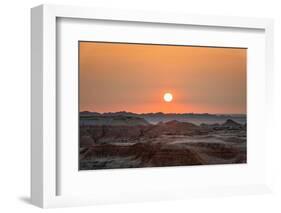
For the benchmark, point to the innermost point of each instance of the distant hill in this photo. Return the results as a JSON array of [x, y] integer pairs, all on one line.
[[228, 124], [176, 128], [154, 118], [231, 123], [109, 129], [113, 120]]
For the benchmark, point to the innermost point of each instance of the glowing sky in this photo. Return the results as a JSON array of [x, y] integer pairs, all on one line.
[[134, 77]]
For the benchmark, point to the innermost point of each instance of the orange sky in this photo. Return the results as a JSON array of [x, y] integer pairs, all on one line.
[[134, 77]]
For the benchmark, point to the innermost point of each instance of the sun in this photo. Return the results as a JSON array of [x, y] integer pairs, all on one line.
[[168, 97]]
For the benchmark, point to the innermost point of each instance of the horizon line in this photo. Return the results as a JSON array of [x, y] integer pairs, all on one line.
[[164, 112]]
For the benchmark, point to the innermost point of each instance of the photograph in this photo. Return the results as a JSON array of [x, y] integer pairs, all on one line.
[[158, 105]]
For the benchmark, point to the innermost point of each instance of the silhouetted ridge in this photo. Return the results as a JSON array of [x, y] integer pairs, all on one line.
[[155, 118], [231, 123]]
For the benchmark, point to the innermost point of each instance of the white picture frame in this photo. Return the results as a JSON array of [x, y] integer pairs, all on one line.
[[44, 154]]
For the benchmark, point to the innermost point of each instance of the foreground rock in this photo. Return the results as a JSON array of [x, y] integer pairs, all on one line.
[[173, 143], [136, 155]]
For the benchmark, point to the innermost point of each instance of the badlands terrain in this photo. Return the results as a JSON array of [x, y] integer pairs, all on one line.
[[128, 140]]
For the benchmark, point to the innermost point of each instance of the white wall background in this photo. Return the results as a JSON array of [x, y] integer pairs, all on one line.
[[15, 105]]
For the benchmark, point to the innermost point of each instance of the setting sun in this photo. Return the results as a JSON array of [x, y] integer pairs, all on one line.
[[168, 97]]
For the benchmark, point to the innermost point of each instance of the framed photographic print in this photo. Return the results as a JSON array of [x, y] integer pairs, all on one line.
[[174, 105], [149, 106]]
